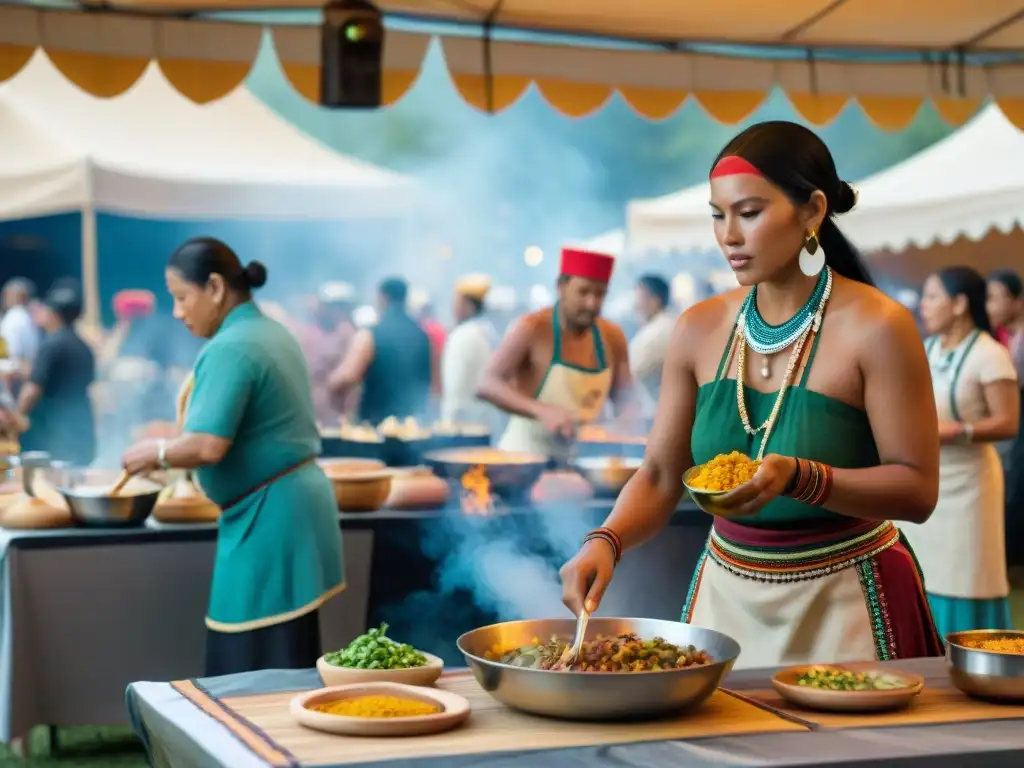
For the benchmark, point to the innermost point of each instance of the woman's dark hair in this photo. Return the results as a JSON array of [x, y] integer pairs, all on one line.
[[795, 160], [200, 257], [967, 282], [65, 303], [658, 287], [1010, 280]]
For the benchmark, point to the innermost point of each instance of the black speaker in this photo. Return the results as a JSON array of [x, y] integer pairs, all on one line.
[[351, 52]]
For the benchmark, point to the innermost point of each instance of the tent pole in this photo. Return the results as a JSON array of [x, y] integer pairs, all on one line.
[[90, 268]]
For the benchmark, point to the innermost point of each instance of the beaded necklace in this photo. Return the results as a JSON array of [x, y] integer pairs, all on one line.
[[812, 326], [768, 339]]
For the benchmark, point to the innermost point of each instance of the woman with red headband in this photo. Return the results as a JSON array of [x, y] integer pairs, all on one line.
[[809, 368]]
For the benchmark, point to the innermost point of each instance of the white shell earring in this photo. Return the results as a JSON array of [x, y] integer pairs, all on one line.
[[812, 257]]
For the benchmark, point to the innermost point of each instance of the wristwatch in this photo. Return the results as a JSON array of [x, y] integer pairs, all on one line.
[[161, 454]]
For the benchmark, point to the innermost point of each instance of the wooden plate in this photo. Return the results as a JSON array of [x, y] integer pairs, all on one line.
[[785, 683], [425, 675], [454, 711]]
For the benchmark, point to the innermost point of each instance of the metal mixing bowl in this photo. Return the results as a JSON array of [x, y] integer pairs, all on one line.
[[607, 474], [511, 478], [985, 674], [91, 509], [597, 695]]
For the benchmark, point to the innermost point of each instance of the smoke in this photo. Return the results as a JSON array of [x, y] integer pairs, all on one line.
[[502, 567]]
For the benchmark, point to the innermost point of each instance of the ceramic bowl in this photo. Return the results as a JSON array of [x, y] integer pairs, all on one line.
[[364, 491], [708, 501], [425, 675], [785, 684], [454, 710]]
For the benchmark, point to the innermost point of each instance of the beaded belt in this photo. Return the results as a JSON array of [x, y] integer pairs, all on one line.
[[800, 564]]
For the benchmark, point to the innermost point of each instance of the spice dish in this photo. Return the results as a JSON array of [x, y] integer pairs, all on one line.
[[379, 709], [863, 687], [987, 663]]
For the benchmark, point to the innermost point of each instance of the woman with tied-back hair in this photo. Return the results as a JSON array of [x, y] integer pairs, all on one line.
[[961, 546], [815, 371], [249, 431]]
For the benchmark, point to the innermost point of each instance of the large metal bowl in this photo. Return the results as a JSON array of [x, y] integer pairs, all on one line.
[[985, 674], [511, 475], [607, 475], [597, 695], [91, 508]]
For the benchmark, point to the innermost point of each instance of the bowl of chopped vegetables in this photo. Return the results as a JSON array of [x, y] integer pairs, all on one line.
[[629, 669], [375, 657], [866, 687]]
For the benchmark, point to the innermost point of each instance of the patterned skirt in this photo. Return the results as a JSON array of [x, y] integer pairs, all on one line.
[[845, 590]]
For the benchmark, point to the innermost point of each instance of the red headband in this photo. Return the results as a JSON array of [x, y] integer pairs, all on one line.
[[731, 165], [132, 304], [588, 264]]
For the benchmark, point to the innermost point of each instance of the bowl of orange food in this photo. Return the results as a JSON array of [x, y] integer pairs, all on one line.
[[987, 663], [510, 475], [710, 483]]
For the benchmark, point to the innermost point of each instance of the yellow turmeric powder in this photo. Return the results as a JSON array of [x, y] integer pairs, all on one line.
[[724, 472], [376, 706]]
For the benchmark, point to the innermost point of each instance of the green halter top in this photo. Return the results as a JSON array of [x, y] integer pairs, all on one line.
[[810, 426]]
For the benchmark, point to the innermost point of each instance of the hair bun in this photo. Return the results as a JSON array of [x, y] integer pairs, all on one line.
[[256, 274], [846, 198]]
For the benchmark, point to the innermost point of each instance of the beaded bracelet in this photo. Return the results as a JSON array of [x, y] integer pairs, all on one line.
[[811, 483], [607, 534]]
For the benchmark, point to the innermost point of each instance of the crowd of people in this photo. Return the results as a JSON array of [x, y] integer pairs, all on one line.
[[806, 366]]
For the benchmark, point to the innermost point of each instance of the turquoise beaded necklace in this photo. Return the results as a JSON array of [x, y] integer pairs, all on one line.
[[768, 339]]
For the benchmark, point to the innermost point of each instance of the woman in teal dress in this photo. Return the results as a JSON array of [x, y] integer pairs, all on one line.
[[250, 434], [809, 368]]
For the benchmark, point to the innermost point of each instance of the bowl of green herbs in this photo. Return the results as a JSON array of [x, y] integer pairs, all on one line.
[[376, 658]]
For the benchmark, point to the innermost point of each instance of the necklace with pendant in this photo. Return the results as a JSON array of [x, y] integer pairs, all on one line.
[[813, 326], [768, 340]]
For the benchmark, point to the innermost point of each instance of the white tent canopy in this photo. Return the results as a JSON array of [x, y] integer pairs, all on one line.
[[152, 153], [678, 222], [968, 184], [612, 243]]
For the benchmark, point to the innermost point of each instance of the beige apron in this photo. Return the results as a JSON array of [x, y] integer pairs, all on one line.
[[581, 391], [961, 547]]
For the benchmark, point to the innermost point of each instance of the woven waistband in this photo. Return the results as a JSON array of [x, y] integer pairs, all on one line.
[[800, 563]]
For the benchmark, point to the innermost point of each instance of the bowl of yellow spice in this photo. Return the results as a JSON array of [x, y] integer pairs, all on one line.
[[710, 483], [379, 709]]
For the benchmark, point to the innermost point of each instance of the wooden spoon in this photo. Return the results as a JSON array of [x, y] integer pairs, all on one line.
[[120, 484]]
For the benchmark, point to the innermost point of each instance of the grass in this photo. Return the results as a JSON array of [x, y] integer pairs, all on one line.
[[116, 747]]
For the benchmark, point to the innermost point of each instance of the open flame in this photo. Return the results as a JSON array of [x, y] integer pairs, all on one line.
[[476, 495]]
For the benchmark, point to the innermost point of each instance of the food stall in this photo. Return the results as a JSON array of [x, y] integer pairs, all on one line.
[[134, 598]]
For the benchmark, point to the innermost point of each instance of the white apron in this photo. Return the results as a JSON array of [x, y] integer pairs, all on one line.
[[961, 548], [815, 618], [581, 391]]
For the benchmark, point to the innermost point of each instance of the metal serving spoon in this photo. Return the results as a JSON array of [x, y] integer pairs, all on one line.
[[571, 655]]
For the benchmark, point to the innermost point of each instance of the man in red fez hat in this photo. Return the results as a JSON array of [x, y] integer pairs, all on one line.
[[557, 367]]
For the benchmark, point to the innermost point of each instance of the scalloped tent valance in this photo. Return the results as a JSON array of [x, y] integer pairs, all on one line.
[[106, 53]]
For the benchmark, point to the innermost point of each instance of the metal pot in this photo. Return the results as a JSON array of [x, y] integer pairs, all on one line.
[[92, 508]]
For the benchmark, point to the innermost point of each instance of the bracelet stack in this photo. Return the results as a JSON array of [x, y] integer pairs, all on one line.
[[811, 483], [607, 534]]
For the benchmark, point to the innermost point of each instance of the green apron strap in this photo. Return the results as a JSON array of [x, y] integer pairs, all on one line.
[[556, 354], [956, 375], [727, 352], [599, 349]]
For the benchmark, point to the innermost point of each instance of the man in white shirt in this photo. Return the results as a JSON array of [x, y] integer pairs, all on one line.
[[20, 334], [466, 351], [650, 344]]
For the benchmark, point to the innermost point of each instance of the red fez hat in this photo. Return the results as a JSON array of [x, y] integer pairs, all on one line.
[[588, 264], [132, 304]]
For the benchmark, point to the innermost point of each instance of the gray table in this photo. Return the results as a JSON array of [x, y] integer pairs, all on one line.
[[86, 612], [178, 735]]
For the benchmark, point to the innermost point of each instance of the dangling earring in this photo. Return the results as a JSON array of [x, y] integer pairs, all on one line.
[[812, 257]]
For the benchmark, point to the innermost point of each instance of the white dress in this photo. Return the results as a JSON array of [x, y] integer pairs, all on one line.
[[961, 548]]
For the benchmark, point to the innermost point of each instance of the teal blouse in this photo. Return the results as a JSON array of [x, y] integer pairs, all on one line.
[[279, 547]]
